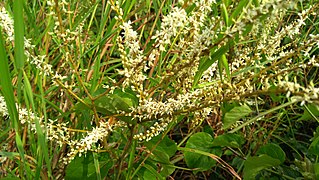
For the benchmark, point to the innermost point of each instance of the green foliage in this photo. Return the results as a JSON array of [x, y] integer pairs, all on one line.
[[165, 149], [314, 146], [229, 140], [203, 142], [83, 167], [269, 155], [235, 114], [311, 111], [272, 150], [255, 164]]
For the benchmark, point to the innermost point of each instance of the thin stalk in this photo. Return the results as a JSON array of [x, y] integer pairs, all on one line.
[[256, 118]]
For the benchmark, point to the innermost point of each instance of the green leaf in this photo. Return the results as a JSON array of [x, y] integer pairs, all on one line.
[[206, 63], [145, 173], [224, 63], [314, 147], [235, 114], [201, 141], [151, 173], [7, 91], [161, 159], [6, 85], [316, 169], [18, 34], [225, 14], [83, 167], [167, 169], [255, 164], [110, 103], [238, 10], [311, 112], [272, 150], [162, 153], [160, 156], [166, 145], [229, 140], [10, 178]]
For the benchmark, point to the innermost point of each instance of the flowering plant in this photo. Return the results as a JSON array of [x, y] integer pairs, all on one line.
[[120, 89]]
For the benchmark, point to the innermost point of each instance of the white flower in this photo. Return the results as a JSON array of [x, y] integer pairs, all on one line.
[[3, 107]]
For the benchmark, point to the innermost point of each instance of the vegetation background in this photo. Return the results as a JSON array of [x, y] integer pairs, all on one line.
[[198, 89]]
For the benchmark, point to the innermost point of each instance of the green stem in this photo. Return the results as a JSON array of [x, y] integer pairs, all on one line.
[[131, 159]]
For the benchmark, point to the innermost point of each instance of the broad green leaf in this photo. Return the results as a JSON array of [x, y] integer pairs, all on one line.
[[311, 112], [201, 141], [314, 147], [151, 171], [291, 171], [227, 106], [235, 114], [162, 153], [272, 150], [106, 105], [145, 173], [255, 164], [229, 140], [160, 156], [167, 169], [83, 167], [166, 145], [162, 160], [208, 129]]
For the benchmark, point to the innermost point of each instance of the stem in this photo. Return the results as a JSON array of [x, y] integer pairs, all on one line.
[[125, 150]]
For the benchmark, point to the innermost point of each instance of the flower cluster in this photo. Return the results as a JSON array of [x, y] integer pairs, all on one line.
[[37, 60], [172, 25], [308, 94], [88, 143], [154, 130], [25, 116], [3, 107], [188, 35], [7, 24], [132, 57], [61, 134]]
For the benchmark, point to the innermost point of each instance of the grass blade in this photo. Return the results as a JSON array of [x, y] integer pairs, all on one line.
[[7, 91]]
